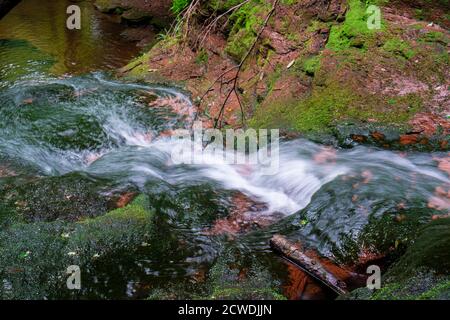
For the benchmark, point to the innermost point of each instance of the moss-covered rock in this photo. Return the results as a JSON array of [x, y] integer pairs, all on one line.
[[34, 257], [423, 272], [69, 197]]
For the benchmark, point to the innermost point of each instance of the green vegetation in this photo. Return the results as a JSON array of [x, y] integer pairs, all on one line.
[[257, 283], [422, 272], [421, 286], [34, 257], [399, 47], [202, 57], [179, 5], [435, 36], [311, 65], [246, 23], [330, 105], [354, 31]]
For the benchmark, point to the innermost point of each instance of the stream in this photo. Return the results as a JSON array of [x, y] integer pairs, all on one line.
[[66, 121]]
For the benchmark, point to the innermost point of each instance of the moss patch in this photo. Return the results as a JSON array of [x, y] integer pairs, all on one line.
[[354, 31], [34, 257]]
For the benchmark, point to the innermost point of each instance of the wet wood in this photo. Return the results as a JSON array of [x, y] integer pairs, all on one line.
[[311, 266], [6, 6]]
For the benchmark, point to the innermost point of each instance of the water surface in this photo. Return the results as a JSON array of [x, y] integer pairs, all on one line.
[[42, 25]]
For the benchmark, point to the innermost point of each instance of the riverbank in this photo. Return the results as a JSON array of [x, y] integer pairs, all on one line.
[[315, 69]]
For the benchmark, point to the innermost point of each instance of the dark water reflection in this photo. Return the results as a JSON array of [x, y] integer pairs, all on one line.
[[98, 45]]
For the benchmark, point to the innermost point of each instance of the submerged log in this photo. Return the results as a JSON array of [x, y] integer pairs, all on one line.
[[311, 266], [6, 6]]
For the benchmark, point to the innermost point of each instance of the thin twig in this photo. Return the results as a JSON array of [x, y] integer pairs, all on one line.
[[240, 65]]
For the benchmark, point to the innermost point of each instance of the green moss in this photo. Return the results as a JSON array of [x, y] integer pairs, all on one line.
[[431, 251], [399, 47], [202, 57], [239, 294], [423, 272], [328, 106], [108, 6], [439, 291], [179, 5], [221, 5], [316, 113], [246, 23], [227, 279], [274, 116], [419, 14], [34, 257], [311, 65], [420, 286], [289, 2], [354, 31], [69, 197], [435, 36]]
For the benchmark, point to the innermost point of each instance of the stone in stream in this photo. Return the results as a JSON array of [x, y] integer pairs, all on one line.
[[395, 137]]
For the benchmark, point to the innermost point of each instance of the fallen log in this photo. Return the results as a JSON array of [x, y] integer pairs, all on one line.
[[312, 267], [6, 6]]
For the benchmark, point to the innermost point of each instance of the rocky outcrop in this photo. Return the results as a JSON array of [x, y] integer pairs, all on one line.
[[316, 65], [6, 6]]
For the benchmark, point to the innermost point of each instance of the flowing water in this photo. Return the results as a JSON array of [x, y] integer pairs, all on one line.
[[83, 124]]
